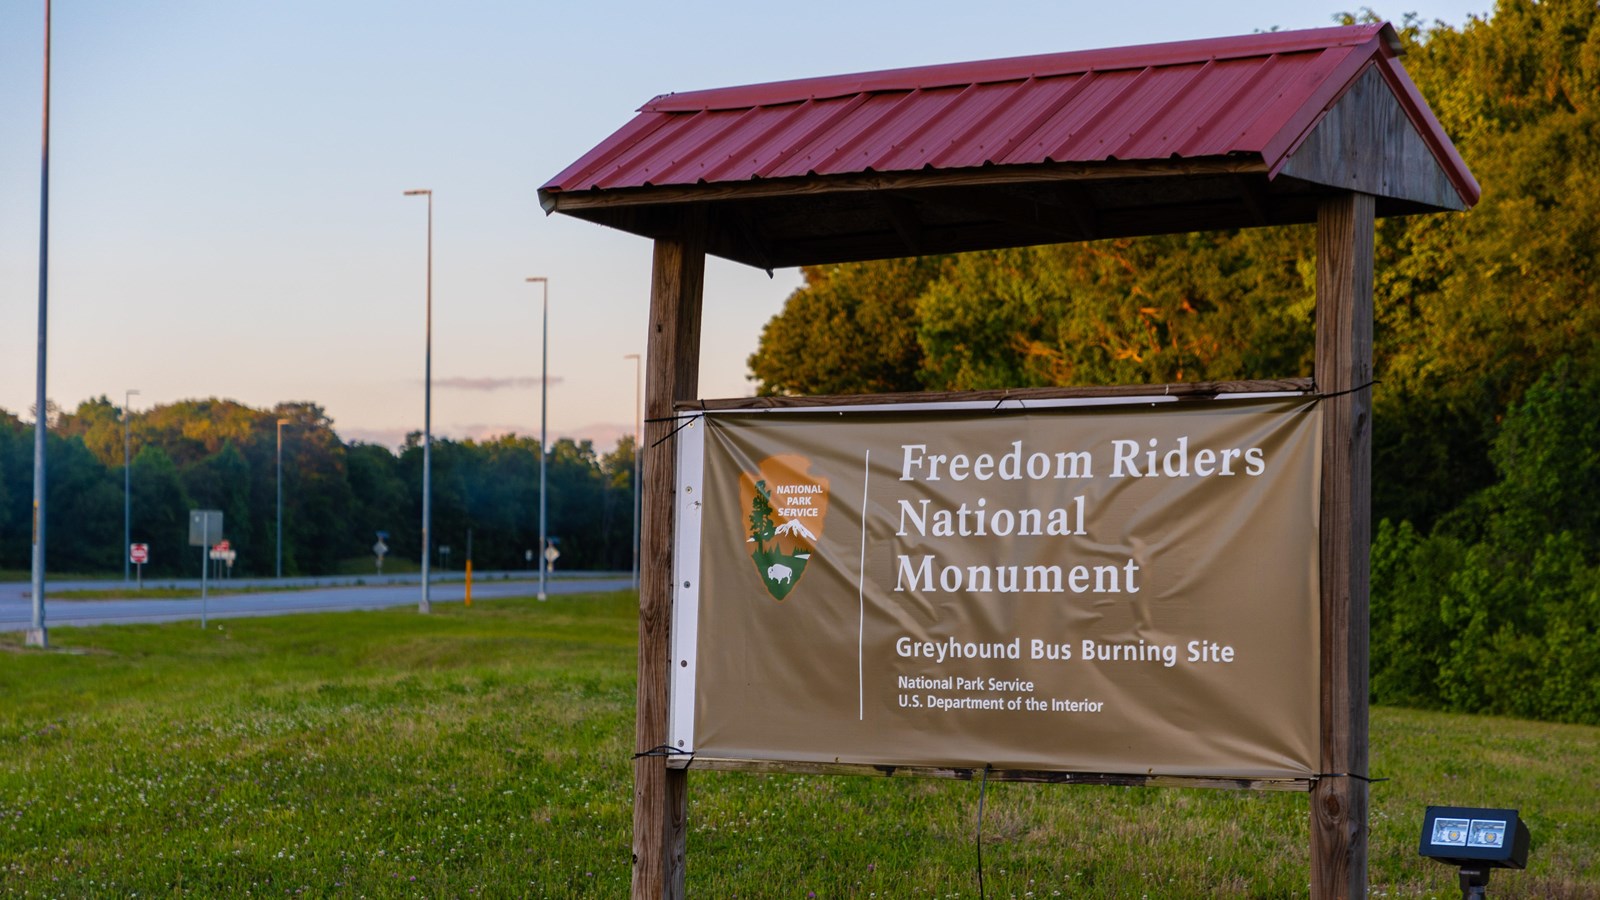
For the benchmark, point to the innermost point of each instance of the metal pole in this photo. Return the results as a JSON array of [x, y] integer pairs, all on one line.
[[427, 418], [544, 395], [544, 443], [36, 636], [279, 567], [205, 562], [637, 427], [127, 484]]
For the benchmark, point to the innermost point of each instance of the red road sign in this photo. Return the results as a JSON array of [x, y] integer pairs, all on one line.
[[139, 553], [222, 546]]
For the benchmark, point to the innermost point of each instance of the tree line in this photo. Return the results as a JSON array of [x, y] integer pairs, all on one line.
[[337, 497], [1486, 453]]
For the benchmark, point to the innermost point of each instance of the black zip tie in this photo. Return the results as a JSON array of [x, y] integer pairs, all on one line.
[[663, 750], [983, 787], [1351, 775], [1350, 391]]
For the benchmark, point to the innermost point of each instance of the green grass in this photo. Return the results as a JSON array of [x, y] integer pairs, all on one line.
[[484, 752]]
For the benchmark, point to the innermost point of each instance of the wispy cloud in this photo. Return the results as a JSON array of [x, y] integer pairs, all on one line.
[[490, 384]]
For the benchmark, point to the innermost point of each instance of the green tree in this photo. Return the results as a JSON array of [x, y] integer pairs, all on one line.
[[617, 524], [381, 501], [160, 513], [221, 481], [576, 504], [317, 494], [1195, 307], [1498, 610], [1472, 309], [99, 424], [762, 527], [84, 509], [16, 479], [224, 455], [850, 329]]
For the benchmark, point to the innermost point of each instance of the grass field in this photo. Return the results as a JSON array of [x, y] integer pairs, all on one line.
[[484, 752]]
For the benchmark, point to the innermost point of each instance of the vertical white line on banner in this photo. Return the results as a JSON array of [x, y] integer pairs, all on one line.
[[686, 592], [861, 595]]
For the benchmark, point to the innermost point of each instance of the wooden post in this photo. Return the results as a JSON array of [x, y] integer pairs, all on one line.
[[1344, 368], [660, 798]]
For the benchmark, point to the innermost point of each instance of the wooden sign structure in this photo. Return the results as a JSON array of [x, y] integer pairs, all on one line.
[[1270, 129]]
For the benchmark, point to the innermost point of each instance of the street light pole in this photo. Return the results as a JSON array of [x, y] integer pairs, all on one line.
[[279, 567], [36, 635], [127, 484], [544, 396], [638, 389], [427, 415]]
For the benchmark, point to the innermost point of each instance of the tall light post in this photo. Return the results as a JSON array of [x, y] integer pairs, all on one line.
[[544, 396], [427, 415], [638, 389], [127, 483], [279, 567], [36, 635]]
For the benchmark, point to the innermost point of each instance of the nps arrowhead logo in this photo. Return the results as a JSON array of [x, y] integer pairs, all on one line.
[[788, 507]]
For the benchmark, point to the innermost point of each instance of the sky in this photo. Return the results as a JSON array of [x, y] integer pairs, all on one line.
[[227, 216]]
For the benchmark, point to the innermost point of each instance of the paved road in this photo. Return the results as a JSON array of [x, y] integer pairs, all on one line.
[[330, 595]]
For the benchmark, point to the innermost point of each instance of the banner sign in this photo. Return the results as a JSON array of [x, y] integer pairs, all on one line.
[[1128, 588]]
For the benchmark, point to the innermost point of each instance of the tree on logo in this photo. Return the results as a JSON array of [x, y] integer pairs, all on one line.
[[762, 528]]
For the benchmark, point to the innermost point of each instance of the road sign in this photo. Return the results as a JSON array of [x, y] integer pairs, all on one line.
[[205, 526], [551, 554], [139, 553]]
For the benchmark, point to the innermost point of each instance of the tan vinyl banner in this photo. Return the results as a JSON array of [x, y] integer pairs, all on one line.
[[1109, 589]]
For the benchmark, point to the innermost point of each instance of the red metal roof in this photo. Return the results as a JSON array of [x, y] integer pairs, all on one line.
[[1254, 95]]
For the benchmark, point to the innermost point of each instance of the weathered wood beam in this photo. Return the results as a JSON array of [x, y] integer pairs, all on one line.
[[560, 201], [1253, 194], [745, 233], [1184, 390], [903, 218], [660, 796], [1027, 776], [1012, 209], [1344, 371]]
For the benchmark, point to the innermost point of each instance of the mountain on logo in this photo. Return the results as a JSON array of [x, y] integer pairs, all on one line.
[[794, 527]]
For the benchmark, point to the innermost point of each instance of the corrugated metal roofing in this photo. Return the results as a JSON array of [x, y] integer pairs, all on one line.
[[1224, 133], [1254, 95]]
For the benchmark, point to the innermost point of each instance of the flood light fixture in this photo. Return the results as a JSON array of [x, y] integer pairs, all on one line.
[[1476, 841]]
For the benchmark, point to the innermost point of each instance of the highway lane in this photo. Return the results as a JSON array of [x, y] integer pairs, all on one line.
[[332, 595]]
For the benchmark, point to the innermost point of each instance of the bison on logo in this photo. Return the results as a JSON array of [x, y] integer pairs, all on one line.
[[788, 506]]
